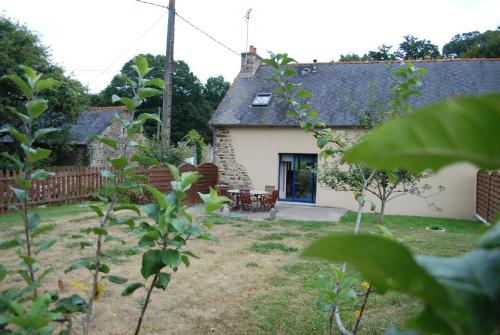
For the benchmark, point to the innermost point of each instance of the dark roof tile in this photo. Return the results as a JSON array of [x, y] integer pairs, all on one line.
[[337, 87]]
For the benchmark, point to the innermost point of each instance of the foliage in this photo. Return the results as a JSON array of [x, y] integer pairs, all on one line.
[[175, 155], [194, 138], [384, 185], [192, 102], [166, 239], [350, 57], [461, 294], [382, 54], [413, 48], [21, 46], [474, 45], [121, 179], [214, 90], [38, 315], [460, 129]]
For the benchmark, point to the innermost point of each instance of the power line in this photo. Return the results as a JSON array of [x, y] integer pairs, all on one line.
[[194, 26], [129, 48], [206, 34]]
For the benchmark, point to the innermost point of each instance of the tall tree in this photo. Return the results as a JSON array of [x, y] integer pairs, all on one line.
[[413, 48], [383, 54], [192, 102], [21, 46], [214, 90], [474, 45], [350, 57]]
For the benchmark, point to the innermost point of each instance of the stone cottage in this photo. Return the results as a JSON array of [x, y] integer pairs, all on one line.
[[257, 145], [98, 121]]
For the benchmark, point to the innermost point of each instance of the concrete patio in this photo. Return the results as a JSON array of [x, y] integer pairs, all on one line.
[[288, 211]]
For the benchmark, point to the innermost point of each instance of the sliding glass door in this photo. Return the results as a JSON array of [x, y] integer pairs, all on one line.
[[297, 178]]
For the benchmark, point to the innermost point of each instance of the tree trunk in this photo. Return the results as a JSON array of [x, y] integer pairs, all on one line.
[[382, 210]]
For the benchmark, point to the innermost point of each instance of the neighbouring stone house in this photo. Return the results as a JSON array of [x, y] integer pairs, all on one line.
[[98, 121], [257, 145]]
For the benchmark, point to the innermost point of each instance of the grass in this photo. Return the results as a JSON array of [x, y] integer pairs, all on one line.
[[278, 236], [252, 282], [298, 287], [266, 248], [49, 214]]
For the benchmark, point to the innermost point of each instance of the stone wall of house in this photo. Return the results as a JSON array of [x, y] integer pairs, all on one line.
[[231, 173], [99, 152]]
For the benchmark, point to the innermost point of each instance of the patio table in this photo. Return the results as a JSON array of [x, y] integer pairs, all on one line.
[[255, 193]]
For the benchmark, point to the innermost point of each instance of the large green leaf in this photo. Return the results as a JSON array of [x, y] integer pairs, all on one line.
[[44, 84], [157, 195], [42, 132], [455, 130], [34, 155], [142, 66], [472, 281], [151, 263], [131, 288], [36, 107], [163, 280], [171, 258], [20, 136], [23, 86], [155, 82], [369, 254], [119, 163], [130, 207], [107, 141], [71, 304], [116, 279]]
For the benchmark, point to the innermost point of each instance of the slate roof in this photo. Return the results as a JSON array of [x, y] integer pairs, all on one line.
[[337, 87], [92, 122]]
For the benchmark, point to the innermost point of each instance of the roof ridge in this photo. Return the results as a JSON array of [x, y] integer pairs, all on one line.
[[108, 108], [399, 61]]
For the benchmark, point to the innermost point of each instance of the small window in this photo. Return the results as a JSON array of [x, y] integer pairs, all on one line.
[[262, 99]]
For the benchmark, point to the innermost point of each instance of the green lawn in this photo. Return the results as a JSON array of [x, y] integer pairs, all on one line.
[[12, 219], [289, 306], [286, 289]]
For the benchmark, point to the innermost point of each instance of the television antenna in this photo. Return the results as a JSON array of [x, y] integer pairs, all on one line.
[[247, 18]]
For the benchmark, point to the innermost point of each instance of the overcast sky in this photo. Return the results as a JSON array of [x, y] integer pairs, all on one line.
[[92, 39]]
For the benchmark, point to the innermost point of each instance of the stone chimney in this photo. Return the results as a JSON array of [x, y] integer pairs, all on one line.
[[250, 62]]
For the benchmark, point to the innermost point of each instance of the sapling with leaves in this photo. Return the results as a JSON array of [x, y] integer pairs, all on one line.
[[168, 236], [331, 144], [121, 178], [44, 308], [461, 295]]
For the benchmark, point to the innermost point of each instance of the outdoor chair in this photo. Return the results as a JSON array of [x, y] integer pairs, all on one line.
[[269, 200], [222, 191], [246, 200], [269, 188]]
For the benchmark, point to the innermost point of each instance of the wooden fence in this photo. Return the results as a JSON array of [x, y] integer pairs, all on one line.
[[78, 184], [488, 195]]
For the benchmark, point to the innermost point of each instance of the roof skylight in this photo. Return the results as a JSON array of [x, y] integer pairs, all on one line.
[[262, 99]]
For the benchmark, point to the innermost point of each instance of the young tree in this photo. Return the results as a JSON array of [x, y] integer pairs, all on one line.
[[385, 185], [21, 313]]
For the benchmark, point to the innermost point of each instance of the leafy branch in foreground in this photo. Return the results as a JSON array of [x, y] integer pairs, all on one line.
[[172, 229], [461, 295], [121, 178], [44, 309]]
